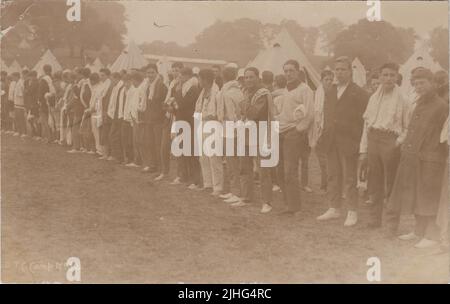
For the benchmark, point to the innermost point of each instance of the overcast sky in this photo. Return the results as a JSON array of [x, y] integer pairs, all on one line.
[[189, 18]]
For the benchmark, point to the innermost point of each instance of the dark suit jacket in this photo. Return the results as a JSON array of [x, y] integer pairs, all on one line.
[[186, 104], [343, 122], [155, 106]]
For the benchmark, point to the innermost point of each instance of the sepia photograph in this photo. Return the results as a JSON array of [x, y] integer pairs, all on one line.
[[224, 142]]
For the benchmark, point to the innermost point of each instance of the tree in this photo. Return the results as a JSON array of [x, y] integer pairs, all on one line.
[[233, 41], [101, 23], [439, 45], [328, 32], [375, 43]]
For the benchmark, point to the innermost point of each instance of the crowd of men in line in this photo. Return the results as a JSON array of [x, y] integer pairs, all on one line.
[[398, 145]]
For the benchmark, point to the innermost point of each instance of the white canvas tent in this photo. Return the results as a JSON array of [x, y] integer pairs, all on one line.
[[14, 67], [130, 58], [420, 58], [359, 72], [95, 66], [283, 48], [47, 58]]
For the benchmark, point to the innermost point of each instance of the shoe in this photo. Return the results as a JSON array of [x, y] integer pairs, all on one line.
[[73, 151], [16, 134], [232, 199], [352, 219], [193, 187], [91, 152], [331, 213], [146, 169], [240, 203], [23, 136], [307, 189], [266, 208], [176, 181], [216, 193], [207, 189], [425, 243], [276, 188], [286, 213], [159, 177], [110, 158], [103, 157], [83, 150], [226, 195], [131, 165], [408, 237]]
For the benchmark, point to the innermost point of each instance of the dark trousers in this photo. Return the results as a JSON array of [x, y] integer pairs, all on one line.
[[323, 165], [142, 141], [127, 141], [6, 119], [383, 160], [165, 147], [115, 139], [86, 133], [343, 174], [189, 169], [304, 168], [33, 121], [20, 120], [232, 169], [77, 141], [247, 179], [155, 143], [293, 145], [104, 135], [47, 133]]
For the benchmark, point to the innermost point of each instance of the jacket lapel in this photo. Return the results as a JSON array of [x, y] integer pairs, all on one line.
[[345, 93]]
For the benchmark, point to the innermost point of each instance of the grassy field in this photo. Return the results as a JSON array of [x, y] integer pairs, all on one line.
[[125, 228]]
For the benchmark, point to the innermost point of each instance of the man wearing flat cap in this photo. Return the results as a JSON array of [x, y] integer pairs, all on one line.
[[420, 174]]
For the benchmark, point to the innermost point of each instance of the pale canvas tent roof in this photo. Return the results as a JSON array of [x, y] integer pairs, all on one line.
[[130, 58], [47, 58], [95, 66], [420, 58], [359, 72], [283, 48], [14, 67], [24, 44]]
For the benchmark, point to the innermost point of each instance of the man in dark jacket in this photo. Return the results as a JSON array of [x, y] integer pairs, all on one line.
[[344, 107], [31, 103], [185, 99], [156, 94], [420, 174], [46, 97]]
